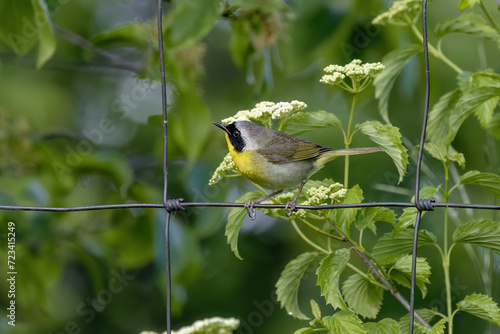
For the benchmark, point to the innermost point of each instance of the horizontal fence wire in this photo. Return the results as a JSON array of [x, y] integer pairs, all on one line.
[[171, 205], [242, 205]]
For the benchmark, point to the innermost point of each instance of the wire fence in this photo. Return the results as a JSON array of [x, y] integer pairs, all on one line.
[[173, 205]]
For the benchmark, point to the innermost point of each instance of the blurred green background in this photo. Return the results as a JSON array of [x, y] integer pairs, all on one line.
[[86, 131]]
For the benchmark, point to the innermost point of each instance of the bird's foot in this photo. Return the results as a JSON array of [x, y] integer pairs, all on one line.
[[291, 207], [251, 211]]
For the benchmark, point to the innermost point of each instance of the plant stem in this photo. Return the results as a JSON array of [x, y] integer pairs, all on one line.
[[347, 142], [446, 255], [437, 53], [368, 278], [306, 239], [320, 230]]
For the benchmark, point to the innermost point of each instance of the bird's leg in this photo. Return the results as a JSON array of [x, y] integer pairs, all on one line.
[[249, 205], [291, 205]]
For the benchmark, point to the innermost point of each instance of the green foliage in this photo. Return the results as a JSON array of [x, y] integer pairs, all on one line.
[[235, 220], [287, 287], [481, 306], [389, 138], [384, 326], [393, 245], [401, 273], [394, 63], [362, 296], [329, 271], [488, 181], [479, 232], [301, 122], [344, 322]]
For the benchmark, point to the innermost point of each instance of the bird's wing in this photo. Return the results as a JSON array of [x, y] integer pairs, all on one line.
[[286, 149]]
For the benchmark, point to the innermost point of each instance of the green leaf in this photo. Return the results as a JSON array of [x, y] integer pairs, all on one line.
[[23, 24], [190, 21], [401, 273], [479, 232], [259, 4], [481, 306], [389, 139], [466, 105], [445, 154], [130, 34], [305, 330], [394, 62], [438, 327], [467, 3], [343, 218], [384, 326], [235, 220], [329, 271], [438, 125], [393, 245], [287, 287], [301, 122], [371, 215], [488, 181], [484, 112], [494, 126], [362, 296], [344, 322], [426, 314], [316, 311], [468, 23]]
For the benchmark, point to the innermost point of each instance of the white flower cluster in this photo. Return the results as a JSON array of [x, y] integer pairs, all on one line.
[[320, 196], [226, 165], [354, 70], [400, 13], [265, 111], [215, 325]]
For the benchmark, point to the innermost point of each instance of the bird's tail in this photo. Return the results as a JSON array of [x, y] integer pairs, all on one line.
[[330, 155]]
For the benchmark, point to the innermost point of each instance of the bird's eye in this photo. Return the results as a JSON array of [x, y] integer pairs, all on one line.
[[236, 133]]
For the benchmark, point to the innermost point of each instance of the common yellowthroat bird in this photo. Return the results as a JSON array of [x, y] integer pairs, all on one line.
[[276, 160]]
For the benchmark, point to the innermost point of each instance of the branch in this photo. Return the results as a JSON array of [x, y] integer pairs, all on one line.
[[377, 273], [85, 44]]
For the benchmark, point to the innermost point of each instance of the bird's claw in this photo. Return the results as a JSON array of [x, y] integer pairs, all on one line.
[[291, 207], [251, 211]]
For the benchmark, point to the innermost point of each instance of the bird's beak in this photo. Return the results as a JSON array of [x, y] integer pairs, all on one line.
[[220, 125]]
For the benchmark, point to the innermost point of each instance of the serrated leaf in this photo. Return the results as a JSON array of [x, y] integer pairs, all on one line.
[[481, 306], [384, 326], [479, 232], [468, 23], [489, 181], [395, 244], [371, 215], [394, 62], [329, 271], [407, 218], [300, 122], [362, 296], [287, 287], [235, 220], [388, 138], [316, 311], [190, 21], [484, 112], [426, 314], [343, 218], [344, 322], [438, 327], [466, 105], [401, 273], [445, 154], [438, 125]]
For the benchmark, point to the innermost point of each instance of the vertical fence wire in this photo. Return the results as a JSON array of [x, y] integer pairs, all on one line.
[[165, 167], [419, 162]]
